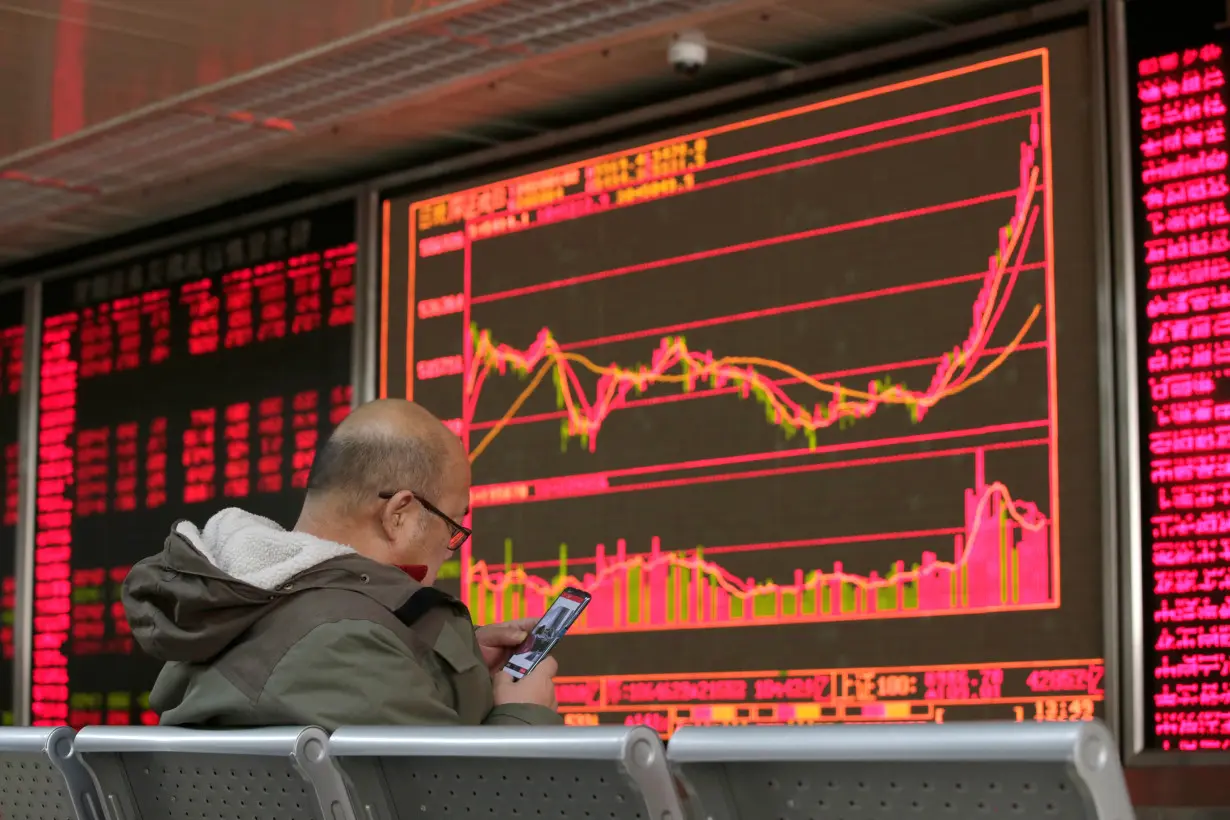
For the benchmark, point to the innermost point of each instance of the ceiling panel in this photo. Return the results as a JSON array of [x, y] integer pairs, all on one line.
[[120, 113]]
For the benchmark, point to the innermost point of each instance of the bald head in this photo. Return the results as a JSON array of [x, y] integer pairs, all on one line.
[[383, 447]]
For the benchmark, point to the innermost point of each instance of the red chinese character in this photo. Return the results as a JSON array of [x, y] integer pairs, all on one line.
[[1218, 214], [1151, 117], [1195, 190], [1157, 221], [1148, 67], [1210, 53]]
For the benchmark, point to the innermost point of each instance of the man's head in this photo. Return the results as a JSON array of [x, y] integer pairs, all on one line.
[[380, 479]]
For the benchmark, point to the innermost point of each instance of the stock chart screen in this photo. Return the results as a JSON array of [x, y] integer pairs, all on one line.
[[11, 337], [1177, 64], [796, 393], [171, 387]]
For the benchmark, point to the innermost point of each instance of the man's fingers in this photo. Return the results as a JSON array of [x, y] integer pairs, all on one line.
[[524, 624], [547, 667], [509, 634]]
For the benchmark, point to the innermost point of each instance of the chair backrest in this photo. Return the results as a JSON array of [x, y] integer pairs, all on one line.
[[951, 771], [163, 772], [615, 773], [41, 777]]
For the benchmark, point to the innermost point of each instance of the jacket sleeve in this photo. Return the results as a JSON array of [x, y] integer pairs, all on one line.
[[358, 673], [523, 714]]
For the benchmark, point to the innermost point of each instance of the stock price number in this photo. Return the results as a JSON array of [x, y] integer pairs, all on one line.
[[607, 176], [963, 684], [580, 719], [670, 160], [1057, 710]]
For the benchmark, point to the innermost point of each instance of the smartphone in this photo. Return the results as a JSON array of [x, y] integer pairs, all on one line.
[[562, 614]]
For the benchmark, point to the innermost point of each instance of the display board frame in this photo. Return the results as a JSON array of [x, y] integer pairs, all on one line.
[[23, 563], [361, 348], [1126, 351], [624, 129]]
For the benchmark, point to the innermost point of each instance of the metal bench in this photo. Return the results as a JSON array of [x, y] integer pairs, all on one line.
[[157, 772], [614, 773], [1066, 771], [41, 777]]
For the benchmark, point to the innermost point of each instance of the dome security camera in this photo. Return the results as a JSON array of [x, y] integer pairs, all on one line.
[[688, 52]]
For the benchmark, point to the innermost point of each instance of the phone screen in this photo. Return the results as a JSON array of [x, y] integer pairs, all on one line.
[[562, 614]]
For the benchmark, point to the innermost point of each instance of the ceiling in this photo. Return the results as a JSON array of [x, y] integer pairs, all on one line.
[[122, 113]]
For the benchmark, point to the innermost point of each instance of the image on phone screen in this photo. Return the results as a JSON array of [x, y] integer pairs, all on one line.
[[562, 614]]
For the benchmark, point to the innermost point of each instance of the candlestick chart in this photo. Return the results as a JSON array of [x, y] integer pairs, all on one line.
[[790, 377]]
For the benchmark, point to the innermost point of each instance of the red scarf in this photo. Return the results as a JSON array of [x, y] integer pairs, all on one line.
[[416, 571]]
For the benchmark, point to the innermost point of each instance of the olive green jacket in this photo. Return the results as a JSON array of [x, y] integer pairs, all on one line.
[[332, 642]]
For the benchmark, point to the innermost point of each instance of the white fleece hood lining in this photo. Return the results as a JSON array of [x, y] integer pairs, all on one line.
[[255, 550]]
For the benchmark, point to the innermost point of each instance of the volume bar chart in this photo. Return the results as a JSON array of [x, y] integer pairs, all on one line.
[[1000, 559]]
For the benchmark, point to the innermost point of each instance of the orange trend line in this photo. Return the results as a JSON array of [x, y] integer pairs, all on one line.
[[518, 577]]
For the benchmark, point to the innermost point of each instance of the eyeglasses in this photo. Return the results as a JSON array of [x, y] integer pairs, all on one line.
[[457, 534]]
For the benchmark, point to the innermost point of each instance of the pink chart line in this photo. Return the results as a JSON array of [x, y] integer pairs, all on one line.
[[844, 447], [698, 256], [835, 465], [605, 488]]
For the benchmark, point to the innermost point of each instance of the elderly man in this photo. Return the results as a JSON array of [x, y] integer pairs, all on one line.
[[335, 622]]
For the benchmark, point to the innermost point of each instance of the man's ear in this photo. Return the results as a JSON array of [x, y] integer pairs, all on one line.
[[393, 513]]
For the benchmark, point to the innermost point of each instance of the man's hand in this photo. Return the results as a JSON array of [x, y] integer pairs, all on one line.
[[536, 687], [497, 641]]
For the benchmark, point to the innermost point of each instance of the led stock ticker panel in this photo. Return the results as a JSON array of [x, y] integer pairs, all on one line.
[[781, 392], [1178, 64], [173, 386]]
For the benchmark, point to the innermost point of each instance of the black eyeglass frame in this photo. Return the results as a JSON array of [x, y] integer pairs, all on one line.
[[457, 535]]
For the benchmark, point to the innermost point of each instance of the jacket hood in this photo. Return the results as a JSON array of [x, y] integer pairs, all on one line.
[[208, 586]]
